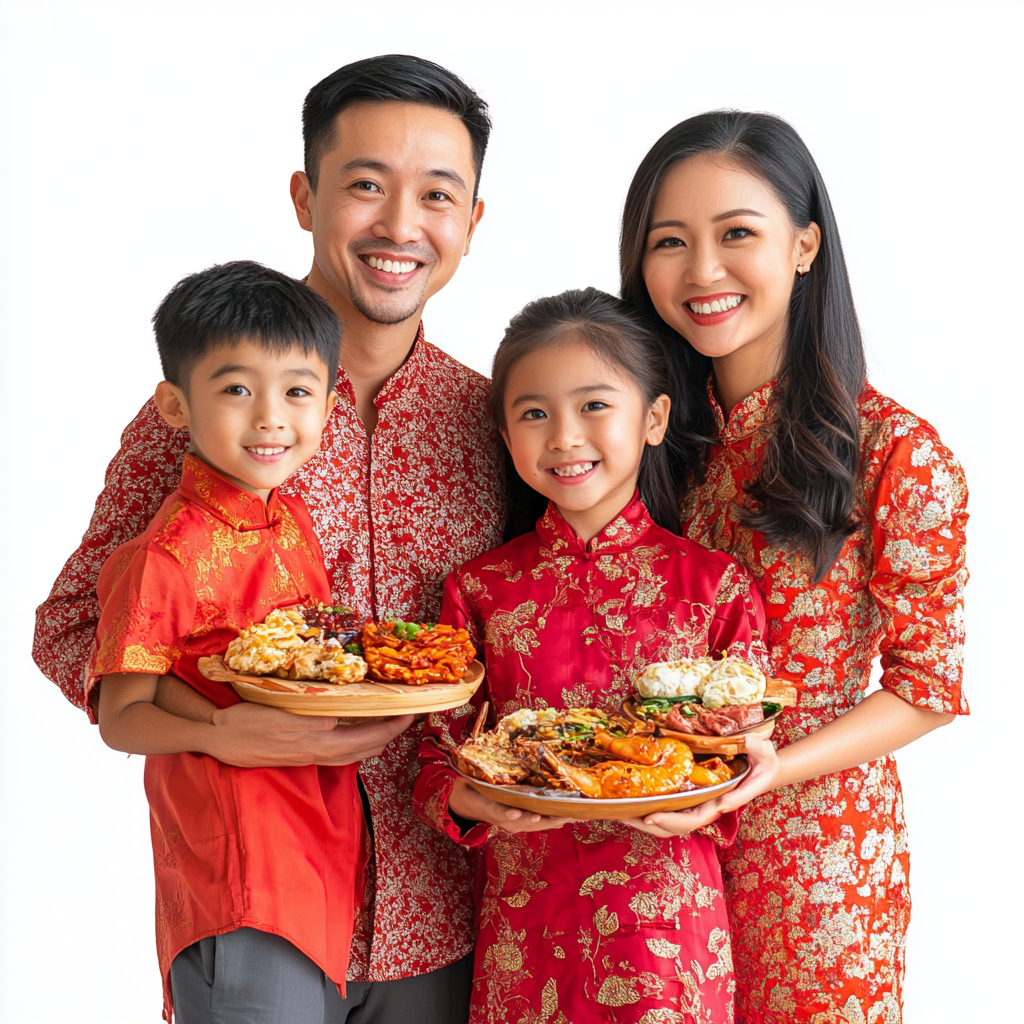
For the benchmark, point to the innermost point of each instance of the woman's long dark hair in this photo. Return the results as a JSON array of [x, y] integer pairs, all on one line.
[[616, 334], [804, 496]]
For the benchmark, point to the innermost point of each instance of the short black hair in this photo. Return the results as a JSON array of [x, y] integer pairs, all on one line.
[[232, 302], [394, 76]]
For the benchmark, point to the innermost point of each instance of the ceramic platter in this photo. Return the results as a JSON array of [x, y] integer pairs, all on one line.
[[366, 699], [556, 804]]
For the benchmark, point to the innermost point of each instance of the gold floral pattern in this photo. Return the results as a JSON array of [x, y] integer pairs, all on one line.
[[817, 882], [394, 514], [594, 921]]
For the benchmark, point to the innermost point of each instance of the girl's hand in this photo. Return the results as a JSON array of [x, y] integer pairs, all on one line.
[[765, 773], [466, 802]]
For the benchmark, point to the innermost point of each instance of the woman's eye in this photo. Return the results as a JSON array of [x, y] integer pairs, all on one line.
[[672, 242], [299, 392], [734, 233], [236, 389], [595, 406], [534, 414]]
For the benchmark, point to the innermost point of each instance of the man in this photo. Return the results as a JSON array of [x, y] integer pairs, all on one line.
[[405, 487]]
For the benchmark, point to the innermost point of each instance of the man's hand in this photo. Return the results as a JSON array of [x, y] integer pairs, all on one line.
[[466, 802], [253, 736]]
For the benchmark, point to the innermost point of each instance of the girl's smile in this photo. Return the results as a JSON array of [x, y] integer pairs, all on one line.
[[577, 428]]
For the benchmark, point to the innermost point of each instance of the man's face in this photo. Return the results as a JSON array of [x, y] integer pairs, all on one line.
[[393, 212]]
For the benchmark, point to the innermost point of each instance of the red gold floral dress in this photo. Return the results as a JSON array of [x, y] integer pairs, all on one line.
[[817, 882], [594, 921]]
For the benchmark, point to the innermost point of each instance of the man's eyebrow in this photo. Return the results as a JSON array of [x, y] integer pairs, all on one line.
[[446, 173], [742, 212]]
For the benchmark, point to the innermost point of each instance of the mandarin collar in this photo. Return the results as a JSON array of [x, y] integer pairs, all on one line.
[[621, 533], [230, 503], [410, 370], [753, 412]]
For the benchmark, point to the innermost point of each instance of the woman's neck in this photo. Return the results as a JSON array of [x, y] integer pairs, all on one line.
[[739, 374]]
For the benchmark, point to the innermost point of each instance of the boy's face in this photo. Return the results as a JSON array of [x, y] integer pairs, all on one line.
[[252, 414]]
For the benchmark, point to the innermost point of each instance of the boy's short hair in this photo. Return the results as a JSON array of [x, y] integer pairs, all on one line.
[[237, 301], [395, 77]]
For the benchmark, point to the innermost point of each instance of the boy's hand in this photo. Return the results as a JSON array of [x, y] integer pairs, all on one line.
[[466, 802], [253, 736]]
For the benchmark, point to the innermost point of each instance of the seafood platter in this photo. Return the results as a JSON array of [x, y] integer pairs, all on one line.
[[712, 705], [312, 661], [585, 763]]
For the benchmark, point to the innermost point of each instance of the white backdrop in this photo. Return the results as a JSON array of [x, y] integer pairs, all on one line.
[[142, 141]]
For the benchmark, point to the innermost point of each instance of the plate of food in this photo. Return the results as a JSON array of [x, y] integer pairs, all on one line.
[[711, 704], [585, 763], [310, 661]]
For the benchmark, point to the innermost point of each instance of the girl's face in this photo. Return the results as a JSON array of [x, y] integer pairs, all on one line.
[[577, 427], [721, 260]]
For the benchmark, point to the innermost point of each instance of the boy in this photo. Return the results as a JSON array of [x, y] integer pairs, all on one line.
[[256, 868]]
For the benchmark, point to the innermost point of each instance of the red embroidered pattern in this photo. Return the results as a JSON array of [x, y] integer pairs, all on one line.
[[817, 883], [596, 920], [425, 496]]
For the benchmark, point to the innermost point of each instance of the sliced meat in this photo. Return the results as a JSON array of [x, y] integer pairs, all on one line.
[[718, 722]]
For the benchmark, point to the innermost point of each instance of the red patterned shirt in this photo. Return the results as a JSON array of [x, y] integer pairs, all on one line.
[[420, 497], [278, 849], [817, 882], [596, 920]]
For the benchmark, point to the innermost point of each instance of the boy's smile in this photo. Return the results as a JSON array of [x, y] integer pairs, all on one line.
[[253, 414]]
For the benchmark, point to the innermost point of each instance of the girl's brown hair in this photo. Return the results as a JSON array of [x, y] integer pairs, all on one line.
[[615, 333]]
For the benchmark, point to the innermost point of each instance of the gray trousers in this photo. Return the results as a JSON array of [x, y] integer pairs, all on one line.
[[253, 977]]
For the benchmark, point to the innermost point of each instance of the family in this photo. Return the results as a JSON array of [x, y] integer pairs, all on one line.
[[697, 466]]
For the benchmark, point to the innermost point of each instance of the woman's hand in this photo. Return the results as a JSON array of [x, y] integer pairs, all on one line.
[[467, 803], [765, 773]]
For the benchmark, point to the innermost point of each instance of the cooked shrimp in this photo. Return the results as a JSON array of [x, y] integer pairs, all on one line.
[[651, 766]]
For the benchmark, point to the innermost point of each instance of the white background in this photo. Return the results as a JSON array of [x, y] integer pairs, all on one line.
[[143, 141]]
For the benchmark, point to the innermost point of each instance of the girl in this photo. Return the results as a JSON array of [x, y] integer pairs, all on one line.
[[595, 920], [850, 514]]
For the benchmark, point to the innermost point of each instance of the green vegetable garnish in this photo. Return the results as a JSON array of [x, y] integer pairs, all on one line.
[[354, 649], [769, 708]]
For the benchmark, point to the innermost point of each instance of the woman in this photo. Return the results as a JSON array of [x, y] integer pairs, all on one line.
[[847, 510]]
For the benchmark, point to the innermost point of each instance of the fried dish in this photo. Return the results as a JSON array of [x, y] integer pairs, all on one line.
[[586, 750], [405, 652], [287, 646], [703, 696]]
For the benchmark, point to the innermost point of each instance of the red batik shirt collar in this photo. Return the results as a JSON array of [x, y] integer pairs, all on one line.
[[753, 412], [406, 374], [621, 533], [231, 504]]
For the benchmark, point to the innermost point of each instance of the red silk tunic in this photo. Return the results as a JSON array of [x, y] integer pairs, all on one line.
[[421, 497], [817, 884], [278, 849], [595, 921]]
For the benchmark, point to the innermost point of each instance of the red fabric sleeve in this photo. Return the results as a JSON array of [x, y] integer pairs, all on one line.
[[739, 624], [145, 470], [148, 610], [919, 574], [444, 730]]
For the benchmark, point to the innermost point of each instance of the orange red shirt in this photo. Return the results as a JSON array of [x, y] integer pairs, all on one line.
[[817, 883], [278, 849], [394, 514]]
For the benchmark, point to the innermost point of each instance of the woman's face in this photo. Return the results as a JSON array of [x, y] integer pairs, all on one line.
[[721, 260]]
